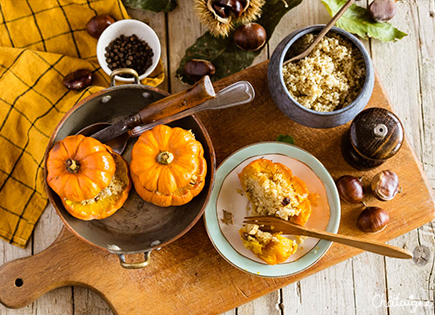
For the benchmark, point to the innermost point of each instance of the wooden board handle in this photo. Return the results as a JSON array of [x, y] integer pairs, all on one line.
[[199, 93], [25, 280]]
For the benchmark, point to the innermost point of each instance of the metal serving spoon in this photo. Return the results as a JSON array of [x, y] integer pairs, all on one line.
[[235, 94], [321, 34]]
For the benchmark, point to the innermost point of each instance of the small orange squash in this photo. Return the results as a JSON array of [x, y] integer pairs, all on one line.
[[79, 167], [168, 166], [92, 181], [109, 200]]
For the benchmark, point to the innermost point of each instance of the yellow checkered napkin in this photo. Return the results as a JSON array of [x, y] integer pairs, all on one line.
[[40, 43]]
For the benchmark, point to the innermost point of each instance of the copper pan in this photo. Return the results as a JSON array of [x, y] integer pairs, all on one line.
[[138, 227]]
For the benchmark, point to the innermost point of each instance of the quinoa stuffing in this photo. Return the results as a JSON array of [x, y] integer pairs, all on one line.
[[330, 77]]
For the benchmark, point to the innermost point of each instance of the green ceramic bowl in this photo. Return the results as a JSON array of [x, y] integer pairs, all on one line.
[[227, 195]]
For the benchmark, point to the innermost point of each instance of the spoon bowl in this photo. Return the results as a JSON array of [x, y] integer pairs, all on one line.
[[117, 144]]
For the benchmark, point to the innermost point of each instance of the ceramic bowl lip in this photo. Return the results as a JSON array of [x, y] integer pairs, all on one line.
[[115, 30], [348, 36]]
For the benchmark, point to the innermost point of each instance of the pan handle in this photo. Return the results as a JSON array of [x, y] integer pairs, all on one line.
[[123, 71], [135, 265]]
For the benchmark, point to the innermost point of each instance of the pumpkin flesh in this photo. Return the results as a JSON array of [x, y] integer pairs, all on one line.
[[271, 248]]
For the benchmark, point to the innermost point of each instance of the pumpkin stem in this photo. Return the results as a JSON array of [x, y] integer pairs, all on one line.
[[165, 157], [72, 166]]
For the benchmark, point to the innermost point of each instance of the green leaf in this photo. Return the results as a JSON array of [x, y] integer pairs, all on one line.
[[152, 5], [357, 20], [286, 138], [222, 52]]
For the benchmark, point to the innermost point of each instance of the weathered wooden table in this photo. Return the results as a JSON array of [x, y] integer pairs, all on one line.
[[365, 284]]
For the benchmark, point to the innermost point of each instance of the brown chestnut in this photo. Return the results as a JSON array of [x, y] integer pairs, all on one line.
[[382, 10], [230, 8], [385, 185], [197, 68], [350, 189], [98, 24], [237, 7], [78, 80], [373, 219], [219, 10], [250, 37]]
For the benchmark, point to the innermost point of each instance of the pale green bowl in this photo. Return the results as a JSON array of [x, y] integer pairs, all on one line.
[[249, 265]]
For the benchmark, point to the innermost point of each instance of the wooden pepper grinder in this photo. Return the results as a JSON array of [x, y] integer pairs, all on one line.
[[374, 136]]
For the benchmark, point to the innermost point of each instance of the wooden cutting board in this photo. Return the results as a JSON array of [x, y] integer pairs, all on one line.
[[189, 276]]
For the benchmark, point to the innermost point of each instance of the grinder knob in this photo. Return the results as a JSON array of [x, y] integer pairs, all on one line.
[[374, 136]]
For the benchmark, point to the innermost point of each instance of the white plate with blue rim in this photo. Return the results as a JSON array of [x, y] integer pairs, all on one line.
[[228, 205]]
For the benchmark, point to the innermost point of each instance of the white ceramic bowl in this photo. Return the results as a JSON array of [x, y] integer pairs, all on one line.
[[128, 28], [226, 195]]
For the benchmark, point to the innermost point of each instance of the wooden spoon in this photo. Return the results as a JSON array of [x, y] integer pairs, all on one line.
[[321, 34], [272, 224]]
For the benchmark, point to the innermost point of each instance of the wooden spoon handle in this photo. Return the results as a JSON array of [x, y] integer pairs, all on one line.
[[199, 93], [370, 246], [325, 30]]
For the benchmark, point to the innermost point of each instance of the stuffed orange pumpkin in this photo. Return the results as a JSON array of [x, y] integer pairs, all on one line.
[[273, 190], [91, 180], [168, 166]]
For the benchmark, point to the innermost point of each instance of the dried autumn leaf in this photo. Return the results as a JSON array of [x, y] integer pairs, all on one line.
[[224, 54], [357, 20]]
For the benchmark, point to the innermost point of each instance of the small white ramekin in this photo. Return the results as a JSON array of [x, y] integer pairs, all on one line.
[[128, 28]]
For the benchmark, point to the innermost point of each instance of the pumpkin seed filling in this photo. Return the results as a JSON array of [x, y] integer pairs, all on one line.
[[271, 194], [115, 188]]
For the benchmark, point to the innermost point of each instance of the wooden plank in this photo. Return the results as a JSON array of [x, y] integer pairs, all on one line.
[[368, 270], [59, 301], [425, 37], [305, 296], [268, 304], [415, 107], [8, 253], [183, 29], [85, 300], [327, 292], [89, 303], [157, 21], [369, 287]]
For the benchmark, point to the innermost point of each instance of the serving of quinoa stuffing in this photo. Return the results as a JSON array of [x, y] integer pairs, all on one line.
[[330, 77]]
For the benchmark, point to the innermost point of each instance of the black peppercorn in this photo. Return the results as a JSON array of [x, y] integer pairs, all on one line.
[[129, 52]]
